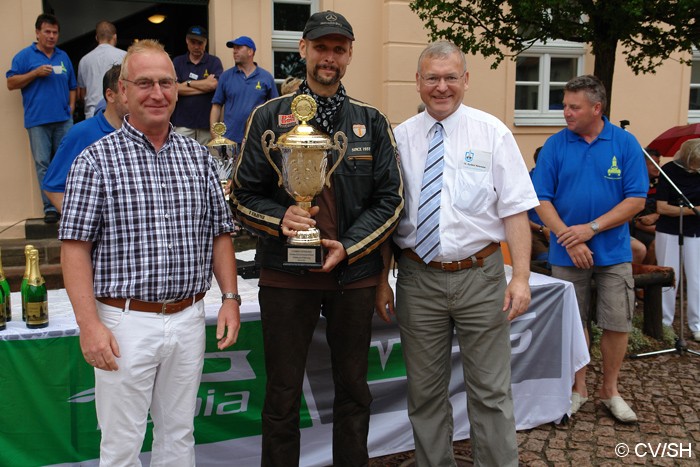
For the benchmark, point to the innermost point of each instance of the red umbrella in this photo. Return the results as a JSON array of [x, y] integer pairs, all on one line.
[[669, 142]]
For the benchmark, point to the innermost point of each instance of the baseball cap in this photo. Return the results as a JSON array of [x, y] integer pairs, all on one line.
[[197, 32], [328, 22], [241, 41]]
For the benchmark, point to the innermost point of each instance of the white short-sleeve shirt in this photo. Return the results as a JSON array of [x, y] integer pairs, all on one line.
[[485, 179]]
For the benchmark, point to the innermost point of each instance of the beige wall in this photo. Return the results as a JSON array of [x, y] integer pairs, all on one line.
[[389, 39], [19, 191]]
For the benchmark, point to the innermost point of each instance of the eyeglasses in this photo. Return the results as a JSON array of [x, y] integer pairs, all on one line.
[[432, 80], [146, 84]]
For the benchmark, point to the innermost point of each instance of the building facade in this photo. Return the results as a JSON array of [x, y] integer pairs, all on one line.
[[524, 93]]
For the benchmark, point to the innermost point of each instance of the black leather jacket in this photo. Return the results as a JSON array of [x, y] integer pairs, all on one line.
[[367, 185]]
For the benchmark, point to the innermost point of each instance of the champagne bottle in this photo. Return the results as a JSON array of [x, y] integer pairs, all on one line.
[[5, 286], [3, 322], [36, 295], [23, 287]]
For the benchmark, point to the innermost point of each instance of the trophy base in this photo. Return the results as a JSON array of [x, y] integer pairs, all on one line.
[[305, 256]]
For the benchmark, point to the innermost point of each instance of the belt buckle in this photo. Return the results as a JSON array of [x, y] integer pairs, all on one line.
[[451, 266], [164, 306]]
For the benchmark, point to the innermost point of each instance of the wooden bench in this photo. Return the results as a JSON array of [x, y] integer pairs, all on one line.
[[652, 279]]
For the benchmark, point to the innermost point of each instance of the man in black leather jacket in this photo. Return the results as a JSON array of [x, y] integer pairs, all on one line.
[[356, 215]]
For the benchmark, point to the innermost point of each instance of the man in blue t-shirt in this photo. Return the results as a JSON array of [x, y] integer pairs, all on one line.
[[590, 180], [45, 75], [197, 78], [241, 89], [83, 135]]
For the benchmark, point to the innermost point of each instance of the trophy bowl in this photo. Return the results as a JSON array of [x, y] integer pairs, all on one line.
[[304, 171], [225, 153]]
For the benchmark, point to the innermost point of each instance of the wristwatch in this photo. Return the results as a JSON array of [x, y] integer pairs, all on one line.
[[594, 227], [231, 296], [188, 82]]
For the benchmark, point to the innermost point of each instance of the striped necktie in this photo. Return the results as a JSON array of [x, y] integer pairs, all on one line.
[[428, 232]]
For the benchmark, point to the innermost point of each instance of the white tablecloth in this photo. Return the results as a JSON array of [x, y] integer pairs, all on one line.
[[547, 342]]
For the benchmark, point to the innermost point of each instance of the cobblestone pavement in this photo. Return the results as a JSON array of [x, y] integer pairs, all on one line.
[[664, 391]]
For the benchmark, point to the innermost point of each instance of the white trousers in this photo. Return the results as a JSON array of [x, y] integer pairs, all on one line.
[[667, 255], [160, 368]]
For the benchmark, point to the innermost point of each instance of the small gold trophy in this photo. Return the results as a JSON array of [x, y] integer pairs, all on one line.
[[225, 154], [304, 152]]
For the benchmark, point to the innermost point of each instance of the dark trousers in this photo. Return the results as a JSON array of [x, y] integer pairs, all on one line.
[[289, 317]]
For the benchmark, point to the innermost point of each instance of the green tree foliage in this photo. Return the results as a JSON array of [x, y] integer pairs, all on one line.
[[649, 31]]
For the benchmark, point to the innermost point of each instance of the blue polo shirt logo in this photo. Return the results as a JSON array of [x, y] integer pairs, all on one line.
[[257, 86], [614, 171]]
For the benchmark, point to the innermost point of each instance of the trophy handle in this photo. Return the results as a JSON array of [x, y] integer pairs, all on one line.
[[267, 141], [341, 146]]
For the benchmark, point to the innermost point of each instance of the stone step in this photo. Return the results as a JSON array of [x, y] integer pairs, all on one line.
[[37, 229], [52, 274], [13, 251]]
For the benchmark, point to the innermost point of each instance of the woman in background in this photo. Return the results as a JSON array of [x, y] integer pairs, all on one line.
[[684, 172]]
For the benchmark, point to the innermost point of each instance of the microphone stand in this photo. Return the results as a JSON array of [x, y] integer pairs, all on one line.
[[681, 345]]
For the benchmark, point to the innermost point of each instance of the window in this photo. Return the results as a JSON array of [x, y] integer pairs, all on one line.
[[540, 76], [694, 104], [288, 20]]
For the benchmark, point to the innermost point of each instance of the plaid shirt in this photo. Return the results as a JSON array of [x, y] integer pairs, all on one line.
[[152, 216]]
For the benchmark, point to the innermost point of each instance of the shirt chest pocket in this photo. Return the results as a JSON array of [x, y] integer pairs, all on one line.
[[187, 195], [473, 191], [125, 192]]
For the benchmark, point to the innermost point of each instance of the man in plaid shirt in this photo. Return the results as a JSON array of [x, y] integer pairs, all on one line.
[[144, 224]]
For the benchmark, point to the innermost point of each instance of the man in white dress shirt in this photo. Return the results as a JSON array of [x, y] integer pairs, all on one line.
[[459, 285]]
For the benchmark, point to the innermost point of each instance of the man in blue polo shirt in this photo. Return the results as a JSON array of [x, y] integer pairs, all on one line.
[[241, 89], [590, 180], [83, 135], [197, 77], [45, 75]]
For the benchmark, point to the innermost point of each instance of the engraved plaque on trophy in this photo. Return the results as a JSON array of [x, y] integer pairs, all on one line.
[[304, 171]]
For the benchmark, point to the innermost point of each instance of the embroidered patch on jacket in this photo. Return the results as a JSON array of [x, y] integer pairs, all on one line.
[[285, 121], [359, 129]]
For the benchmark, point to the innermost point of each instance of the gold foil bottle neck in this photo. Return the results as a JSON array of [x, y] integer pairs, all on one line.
[[27, 250], [35, 277]]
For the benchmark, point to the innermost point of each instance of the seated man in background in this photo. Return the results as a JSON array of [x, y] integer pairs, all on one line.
[[540, 232], [643, 225]]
